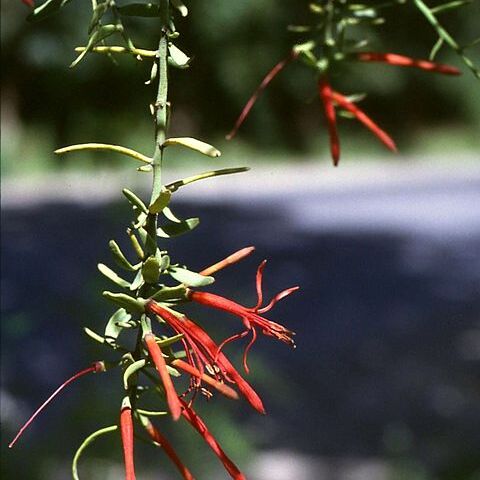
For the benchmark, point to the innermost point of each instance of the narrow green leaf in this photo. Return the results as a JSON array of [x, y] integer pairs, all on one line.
[[101, 34], [85, 444], [178, 58], [174, 186], [160, 202], [111, 275], [191, 279], [138, 281], [131, 369], [134, 305], [169, 215], [134, 200], [119, 256], [113, 329], [193, 144], [169, 341], [150, 413], [151, 270], [175, 229], [103, 147], [179, 5], [95, 336], [46, 9], [169, 293]]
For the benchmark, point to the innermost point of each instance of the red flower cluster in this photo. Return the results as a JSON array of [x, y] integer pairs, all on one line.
[[332, 99]]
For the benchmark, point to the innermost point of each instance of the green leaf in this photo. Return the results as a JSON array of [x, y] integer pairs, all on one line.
[[131, 369], [179, 5], [95, 336], [191, 279], [101, 34], [111, 275], [112, 330], [178, 58], [140, 10], [102, 147], [151, 270], [160, 202], [85, 444], [138, 281], [134, 200], [174, 186], [193, 144], [175, 229], [46, 9], [119, 256], [169, 215], [134, 305], [170, 293], [98, 13]]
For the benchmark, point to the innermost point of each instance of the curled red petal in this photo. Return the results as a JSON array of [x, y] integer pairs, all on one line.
[[263, 85], [202, 429], [258, 284], [403, 61], [277, 298], [157, 357], [325, 92]]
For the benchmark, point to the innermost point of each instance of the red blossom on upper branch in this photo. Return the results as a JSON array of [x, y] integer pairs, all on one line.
[[332, 99]]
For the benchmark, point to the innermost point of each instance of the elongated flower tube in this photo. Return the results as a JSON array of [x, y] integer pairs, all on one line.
[[199, 425], [325, 92], [221, 387], [203, 353], [126, 430], [263, 85], [226, 262], [157, 357], [250, 316], [94, 368], [403, 61], [362, 117], [157, 437]]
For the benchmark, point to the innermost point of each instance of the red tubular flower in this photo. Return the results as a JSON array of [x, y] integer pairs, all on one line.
[[362, 117], [221, 387], [156, 436], [126, 430], [203, 353], [161, 366], [263, 85], [325, 92], [226, 262], [202, 429], [250, 316], [29, 3], [95, 368], [403, 61]]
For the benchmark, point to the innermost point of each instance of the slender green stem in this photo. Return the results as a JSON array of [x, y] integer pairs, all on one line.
[[447, 38], [161, 103]]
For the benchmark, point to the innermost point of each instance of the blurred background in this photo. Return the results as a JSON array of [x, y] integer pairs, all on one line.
[[384, 384]]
